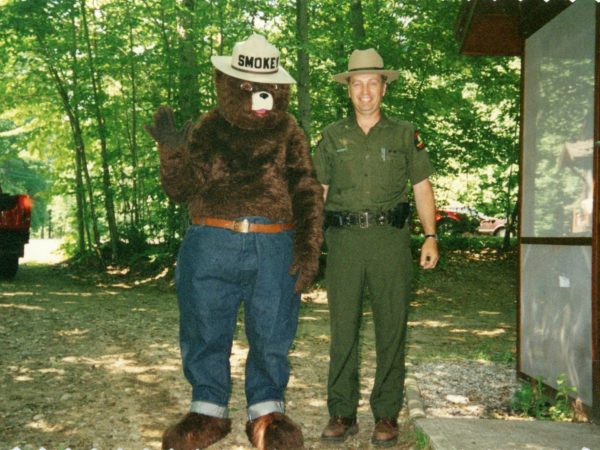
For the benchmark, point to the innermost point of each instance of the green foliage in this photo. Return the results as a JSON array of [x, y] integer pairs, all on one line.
[[561, 409], [138, 57], [422, 441], [451, 242], [531, 400]]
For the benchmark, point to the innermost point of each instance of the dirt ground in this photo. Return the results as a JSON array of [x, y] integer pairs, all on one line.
[[94, 363]]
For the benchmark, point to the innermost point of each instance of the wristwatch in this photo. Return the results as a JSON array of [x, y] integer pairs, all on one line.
[[432, 236]]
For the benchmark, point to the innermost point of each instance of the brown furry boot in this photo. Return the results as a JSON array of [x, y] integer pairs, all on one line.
[[195, 431], [274, 431]]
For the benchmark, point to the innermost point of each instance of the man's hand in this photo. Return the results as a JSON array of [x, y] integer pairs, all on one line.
[[429, 254], [163, 129]]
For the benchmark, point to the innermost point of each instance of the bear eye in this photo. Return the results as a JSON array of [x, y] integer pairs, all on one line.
[[246, 86]]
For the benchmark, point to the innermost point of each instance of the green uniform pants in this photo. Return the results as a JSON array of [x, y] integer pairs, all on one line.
[[378, 258]]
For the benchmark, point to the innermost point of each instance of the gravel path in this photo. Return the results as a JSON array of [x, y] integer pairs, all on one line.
[[478, 389]]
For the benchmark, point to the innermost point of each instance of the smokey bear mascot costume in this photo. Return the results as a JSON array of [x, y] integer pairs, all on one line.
[[255, 208]]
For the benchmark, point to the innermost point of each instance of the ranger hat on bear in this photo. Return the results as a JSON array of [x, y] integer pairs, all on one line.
[[254, 59], [365, 61]]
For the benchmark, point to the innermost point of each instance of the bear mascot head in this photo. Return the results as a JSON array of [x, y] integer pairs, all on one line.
[[253, 90]]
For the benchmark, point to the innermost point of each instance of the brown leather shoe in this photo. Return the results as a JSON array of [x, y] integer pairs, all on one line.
[[385, 433], [339, 429]]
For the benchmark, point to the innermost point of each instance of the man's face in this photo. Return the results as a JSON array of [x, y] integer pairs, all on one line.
[[366, 91]]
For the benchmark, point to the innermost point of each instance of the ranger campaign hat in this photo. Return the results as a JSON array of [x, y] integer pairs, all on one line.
[[365, 61], [254, 59]]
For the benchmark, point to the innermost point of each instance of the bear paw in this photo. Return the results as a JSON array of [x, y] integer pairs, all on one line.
[[274, 431], [195, 431]]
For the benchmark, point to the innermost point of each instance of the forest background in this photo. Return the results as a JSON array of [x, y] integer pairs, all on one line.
[[80, 78]]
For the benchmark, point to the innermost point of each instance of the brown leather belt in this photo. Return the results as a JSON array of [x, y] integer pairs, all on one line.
[[242, 226]]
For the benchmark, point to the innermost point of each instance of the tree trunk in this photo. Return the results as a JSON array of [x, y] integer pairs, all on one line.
[[106, 183], [77, 138], [168, 56], [303, 66], [189, 90], [135, 197], [357, 22], [80, 162]]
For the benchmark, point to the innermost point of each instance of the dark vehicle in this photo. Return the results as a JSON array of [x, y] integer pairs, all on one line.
[[15, 220], [462, 219]]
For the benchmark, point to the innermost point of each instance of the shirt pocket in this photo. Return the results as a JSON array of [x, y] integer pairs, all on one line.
[[392, 167], [344, 170]]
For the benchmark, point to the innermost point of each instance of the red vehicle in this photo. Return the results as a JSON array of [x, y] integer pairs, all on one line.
[[15, 220], [462, 219]]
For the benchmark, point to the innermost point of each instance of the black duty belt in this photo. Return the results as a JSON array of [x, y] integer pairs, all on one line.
[[395, 217]]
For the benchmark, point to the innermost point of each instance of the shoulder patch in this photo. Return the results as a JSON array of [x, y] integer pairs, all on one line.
[[419, 142]]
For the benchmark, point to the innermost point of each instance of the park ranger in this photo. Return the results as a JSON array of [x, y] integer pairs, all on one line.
[[365, 163]]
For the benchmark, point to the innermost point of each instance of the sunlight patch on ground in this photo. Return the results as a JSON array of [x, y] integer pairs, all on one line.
[[490, 333], [45, 251], [298, 383], [74, 332], [23, 378], [428, 324], [148, 378], [53, 371], [76, 294], [24, 307], [317, 403], [143, 281], [239, 354], [316, 296], [489, 313], [151, 434], [42, 425], [117, 270], [16, 294], [308, 318], [118, 285], [484, 333], [119, 364]]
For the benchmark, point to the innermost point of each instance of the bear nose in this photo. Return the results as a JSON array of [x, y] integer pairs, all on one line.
[[264, 95]]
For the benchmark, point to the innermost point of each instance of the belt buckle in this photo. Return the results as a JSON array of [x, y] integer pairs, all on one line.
[[241, 226], [363, 220]]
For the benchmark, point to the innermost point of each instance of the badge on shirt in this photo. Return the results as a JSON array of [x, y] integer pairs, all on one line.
[[419, 142]]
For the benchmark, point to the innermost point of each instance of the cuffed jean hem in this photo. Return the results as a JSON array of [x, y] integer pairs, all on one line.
[[263, 408], [209, 409]]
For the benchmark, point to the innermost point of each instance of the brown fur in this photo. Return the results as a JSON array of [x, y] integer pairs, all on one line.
[[234, 164], [195, 431], [274, 431]]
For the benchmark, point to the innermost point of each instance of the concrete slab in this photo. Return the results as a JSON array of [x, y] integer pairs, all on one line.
[[485, 434]]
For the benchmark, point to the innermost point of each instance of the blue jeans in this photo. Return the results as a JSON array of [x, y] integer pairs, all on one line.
[[217, 269]]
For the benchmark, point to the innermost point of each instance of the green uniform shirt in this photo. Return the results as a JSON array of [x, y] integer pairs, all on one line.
[[369, 172]]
